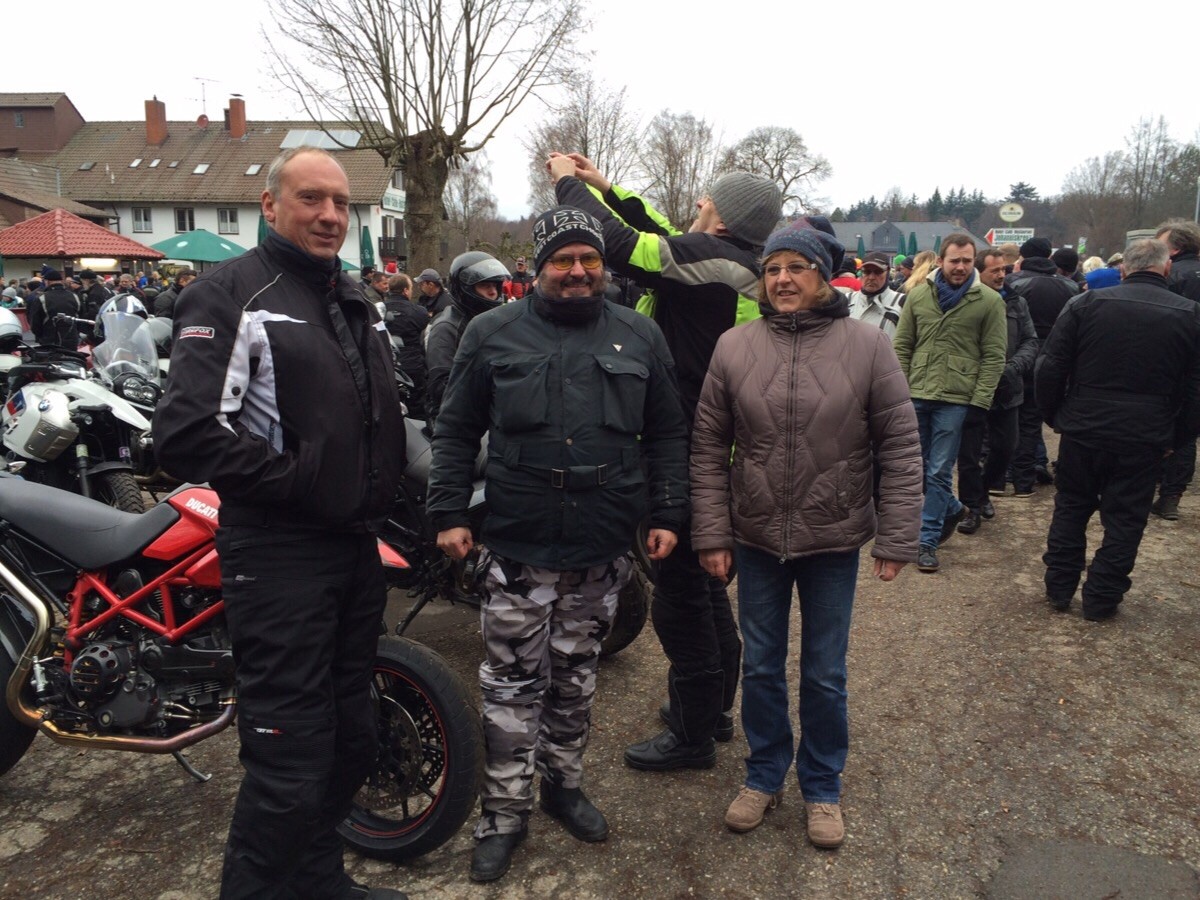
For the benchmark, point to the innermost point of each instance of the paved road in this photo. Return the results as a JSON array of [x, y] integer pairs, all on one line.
[[997, 748]]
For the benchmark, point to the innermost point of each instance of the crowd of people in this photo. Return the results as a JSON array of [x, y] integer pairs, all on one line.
[[762, 402]]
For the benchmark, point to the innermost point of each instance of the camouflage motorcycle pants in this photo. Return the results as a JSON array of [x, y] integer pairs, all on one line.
[[542, 630]]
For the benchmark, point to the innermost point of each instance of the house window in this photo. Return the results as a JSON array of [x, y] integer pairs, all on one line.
[[137, 162], [200, 169], [154, 163], [185, 219], [141, 219], [254, 169], [398, 180], [19, 119], [227, 221]]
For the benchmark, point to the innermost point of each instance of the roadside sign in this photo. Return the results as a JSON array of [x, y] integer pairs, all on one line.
[[1012, 212], [997, 236]]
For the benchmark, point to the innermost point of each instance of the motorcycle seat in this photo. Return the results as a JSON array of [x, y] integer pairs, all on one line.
[[84, 532]]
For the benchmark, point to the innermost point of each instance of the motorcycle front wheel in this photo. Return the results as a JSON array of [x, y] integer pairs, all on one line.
[[119, 490], [425, 782]]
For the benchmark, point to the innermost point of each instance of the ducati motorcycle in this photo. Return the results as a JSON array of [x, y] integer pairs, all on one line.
[[113, 637], [431, 574]]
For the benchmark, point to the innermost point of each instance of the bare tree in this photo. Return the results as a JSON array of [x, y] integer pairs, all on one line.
[[426, 82], [469, 199], [1148, 157], [781, 155], [594, 121], [678, 159]]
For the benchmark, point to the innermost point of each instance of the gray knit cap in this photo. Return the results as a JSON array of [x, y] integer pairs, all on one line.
[[749, 205], [815, 246]]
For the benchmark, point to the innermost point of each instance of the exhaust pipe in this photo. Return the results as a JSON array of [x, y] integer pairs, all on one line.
[[40, 719]]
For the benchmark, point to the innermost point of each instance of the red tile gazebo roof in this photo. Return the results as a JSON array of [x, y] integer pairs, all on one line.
[[61, 234]]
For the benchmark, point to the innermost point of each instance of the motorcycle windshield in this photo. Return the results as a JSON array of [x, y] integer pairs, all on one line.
[[128, 346]]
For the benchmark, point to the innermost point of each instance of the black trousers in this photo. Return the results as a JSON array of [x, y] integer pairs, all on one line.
[[1178, 469], [1120, 484], [304, 609], [695, 626], [1031, 446], [998, 428]]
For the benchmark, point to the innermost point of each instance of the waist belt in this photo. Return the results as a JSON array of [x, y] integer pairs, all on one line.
[[573, 478]]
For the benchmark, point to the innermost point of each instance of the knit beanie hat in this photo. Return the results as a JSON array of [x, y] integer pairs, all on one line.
[[1036, 247], [749, 205], [815, 246], [561, 226], [1066, 259]]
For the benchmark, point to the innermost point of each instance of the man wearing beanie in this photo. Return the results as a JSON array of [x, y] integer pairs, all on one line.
[[951, 342], [1035, 278], [586, 438], [57, 298], [699, 285]]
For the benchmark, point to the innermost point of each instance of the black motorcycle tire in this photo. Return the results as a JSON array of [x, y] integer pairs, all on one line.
[[633, 606], [430, 756], [119, 490], [15, 737]]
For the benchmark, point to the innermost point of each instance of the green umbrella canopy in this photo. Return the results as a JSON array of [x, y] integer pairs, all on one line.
[[912, 243], [862, 248], [348, 266], [262, 228], [366, 253], [937, 243], [199, 246]]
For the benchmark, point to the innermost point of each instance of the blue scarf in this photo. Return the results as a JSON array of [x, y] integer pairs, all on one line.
[[948, 297]]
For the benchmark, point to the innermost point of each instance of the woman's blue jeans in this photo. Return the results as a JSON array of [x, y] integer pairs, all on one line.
[[825, 584]]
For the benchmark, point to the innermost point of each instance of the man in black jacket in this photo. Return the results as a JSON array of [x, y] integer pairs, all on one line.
[[433, 296], [283, 398], [1036, 279], [574, 393], [698, 285], [57, 299], [164, 303], [1183, 243], [1119, 378], [998, 425], [407, 321]]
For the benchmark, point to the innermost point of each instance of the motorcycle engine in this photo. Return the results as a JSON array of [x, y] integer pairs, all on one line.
[[105, 677]]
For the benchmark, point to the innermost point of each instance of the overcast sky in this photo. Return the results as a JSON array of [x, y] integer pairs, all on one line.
[[909, 95]]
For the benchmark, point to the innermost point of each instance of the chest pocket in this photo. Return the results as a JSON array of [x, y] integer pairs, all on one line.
[[521, 392], [623, 383]]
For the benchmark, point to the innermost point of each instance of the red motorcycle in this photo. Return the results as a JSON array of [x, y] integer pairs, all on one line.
[[113, 636]]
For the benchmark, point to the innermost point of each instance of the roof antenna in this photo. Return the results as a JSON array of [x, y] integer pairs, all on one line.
[[203, 94]]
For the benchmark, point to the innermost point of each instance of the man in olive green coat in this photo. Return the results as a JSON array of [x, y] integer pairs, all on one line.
[[950, 342]]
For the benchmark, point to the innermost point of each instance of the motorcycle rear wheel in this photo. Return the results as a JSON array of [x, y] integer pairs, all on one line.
[[426, 778], [15, 738], [119, 490]]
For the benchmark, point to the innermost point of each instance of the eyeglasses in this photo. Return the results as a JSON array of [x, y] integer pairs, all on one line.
[[590, 261], [793, 269]]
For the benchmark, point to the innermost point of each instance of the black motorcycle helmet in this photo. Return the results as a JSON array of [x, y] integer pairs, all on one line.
[[470, 270]]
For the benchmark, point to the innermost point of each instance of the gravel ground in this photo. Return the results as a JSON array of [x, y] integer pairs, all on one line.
[[986, 731]]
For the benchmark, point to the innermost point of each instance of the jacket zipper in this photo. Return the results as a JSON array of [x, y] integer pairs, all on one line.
[[790, 449]]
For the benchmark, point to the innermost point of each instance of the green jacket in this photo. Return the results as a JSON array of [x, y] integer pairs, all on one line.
[[955, 357]]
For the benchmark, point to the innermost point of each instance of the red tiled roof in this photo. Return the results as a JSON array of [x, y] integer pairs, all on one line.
[[58, 233]]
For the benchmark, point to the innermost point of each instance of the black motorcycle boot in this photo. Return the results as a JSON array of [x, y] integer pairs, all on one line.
[[666, 751], [722, 733], [493, 855], [571, 807]]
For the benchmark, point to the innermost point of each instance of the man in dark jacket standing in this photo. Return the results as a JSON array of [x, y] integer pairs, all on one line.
[[164, 303], [1119, 378], [1183, 243], [434, 297], [573, 393], [698, 286], [282, 396], [999, 423], [1046, 292], [57, 299]]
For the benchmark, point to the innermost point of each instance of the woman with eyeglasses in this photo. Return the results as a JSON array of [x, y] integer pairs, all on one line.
[[794, 407]]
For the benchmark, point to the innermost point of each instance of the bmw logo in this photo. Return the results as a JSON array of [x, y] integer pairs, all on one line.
[[43, 405]]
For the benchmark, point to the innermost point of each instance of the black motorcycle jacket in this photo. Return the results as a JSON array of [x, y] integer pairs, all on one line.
[[282, 394], [572, 411]]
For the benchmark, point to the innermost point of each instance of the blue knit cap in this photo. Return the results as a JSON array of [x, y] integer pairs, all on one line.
[[815, 246]]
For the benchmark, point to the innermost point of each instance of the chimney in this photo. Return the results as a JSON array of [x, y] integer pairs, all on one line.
[[156, 121], [235, 117]]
